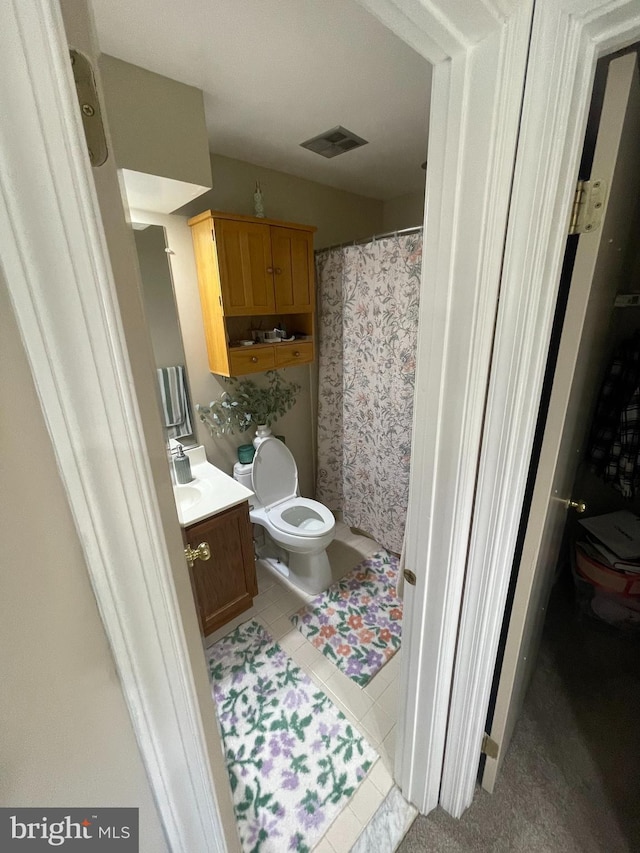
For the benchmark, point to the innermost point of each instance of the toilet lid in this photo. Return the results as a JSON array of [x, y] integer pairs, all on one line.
[[275, 475]]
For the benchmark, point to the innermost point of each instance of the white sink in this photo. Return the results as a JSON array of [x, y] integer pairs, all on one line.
[[211, 490], [186, 496]]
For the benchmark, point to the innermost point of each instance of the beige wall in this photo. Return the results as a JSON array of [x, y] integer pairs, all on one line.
[[67, 736], [159, 301], [157, 125], [406, 211], [339, 216]]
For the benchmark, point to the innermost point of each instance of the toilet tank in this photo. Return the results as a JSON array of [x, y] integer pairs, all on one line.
[[242, 473]]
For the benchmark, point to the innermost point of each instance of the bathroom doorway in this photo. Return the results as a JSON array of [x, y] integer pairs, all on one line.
[[125, 504]]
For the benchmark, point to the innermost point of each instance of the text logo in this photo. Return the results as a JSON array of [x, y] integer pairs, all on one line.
[[105, 830]]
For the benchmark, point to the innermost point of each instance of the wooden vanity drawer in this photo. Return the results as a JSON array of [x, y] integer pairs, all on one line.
[[295, 353], [251, 360]]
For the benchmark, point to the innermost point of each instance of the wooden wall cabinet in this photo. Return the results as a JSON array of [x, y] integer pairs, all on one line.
[[254, 273], [224, 585]]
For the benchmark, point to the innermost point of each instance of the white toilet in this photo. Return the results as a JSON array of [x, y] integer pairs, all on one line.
[[303, 528]]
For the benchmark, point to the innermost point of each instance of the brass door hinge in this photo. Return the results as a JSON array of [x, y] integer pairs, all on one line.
[[409, 576], [588, 206], [89, 108], [489, 746]]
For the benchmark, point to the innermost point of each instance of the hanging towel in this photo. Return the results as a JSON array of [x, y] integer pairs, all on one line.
[[175, 401]]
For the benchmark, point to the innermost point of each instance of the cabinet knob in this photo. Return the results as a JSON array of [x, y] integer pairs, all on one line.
[[270, 270], [202, 552], [254, 359], [278, 270], [296, 353]]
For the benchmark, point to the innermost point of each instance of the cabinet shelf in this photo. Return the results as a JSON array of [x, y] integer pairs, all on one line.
[[254, 274]]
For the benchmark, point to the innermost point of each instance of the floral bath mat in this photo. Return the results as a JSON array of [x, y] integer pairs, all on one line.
[[357, 622], [293, 759]]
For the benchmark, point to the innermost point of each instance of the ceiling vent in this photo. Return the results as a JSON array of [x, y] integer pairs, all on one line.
[[332, 142]]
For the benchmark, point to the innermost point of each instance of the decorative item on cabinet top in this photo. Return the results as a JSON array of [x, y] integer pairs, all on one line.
[[254, 274]]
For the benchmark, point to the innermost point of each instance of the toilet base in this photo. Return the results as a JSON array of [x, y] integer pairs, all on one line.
[[310, 573], [276, 565]]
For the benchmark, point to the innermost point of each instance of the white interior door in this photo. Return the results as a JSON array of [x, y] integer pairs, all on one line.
[[593, 286]]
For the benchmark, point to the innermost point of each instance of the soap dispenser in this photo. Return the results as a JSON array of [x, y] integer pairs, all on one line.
[[182, 467]]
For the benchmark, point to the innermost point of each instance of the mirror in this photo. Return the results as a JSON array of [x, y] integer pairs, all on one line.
[[166, 339]]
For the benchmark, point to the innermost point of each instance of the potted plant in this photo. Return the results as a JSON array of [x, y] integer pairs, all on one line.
[[248, 404]]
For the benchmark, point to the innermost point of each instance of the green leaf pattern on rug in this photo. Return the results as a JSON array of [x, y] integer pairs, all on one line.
[[293, 759], [357, 622]]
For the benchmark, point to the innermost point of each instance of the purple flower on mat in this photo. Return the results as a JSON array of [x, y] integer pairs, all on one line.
[[317, 745], [287, 740], [352, 639], [274, 746], [323, 619], [263, 823], [290, 780], [328, 731], [267, 767], [309, 814], [294, 699], [374, 658], [354, 667], [281, 744]]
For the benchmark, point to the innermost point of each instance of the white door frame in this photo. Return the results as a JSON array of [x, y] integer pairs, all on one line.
[[62, 286], [475, 110], [568, 37]]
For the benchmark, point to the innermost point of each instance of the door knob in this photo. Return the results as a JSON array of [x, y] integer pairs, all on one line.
[[202, 552], [579, 506]]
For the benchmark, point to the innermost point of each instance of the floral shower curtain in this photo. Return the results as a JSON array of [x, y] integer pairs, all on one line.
[[368, 325]]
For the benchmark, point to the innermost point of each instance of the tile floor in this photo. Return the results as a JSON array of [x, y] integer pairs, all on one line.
[[372, 709]]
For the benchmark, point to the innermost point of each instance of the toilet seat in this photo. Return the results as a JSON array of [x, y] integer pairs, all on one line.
[[274, 479], [301, 517]]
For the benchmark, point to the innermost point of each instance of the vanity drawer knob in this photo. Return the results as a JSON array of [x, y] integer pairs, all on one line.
[[278, 270], [254, 359], [270, 270], [297, 354], [202, 552]]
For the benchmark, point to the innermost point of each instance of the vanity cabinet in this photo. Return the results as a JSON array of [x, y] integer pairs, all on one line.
[[224, 585], [254, 274]]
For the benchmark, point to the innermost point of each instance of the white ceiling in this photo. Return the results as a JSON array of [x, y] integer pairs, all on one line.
[[276, 72]]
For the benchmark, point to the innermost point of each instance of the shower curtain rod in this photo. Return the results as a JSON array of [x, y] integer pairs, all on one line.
[[373, 239]]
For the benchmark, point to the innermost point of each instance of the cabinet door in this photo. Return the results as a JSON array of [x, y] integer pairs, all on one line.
[[225, 584], [292, 252], [244, 261]]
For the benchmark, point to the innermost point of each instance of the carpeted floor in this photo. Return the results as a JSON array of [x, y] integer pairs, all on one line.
[[570, 782]]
